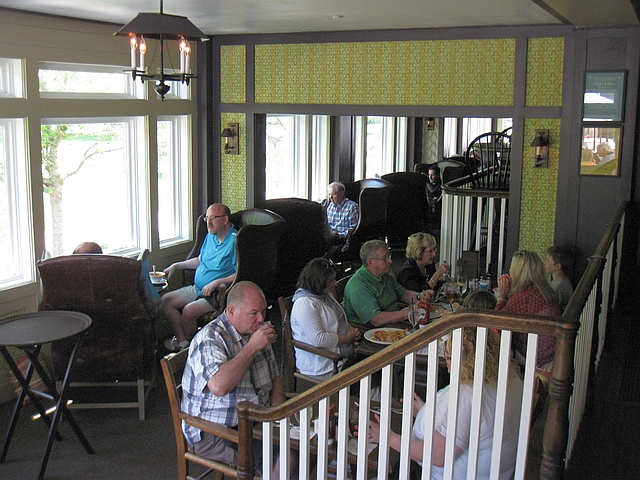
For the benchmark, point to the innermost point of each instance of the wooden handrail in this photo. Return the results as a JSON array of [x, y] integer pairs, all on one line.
[[462, 318]]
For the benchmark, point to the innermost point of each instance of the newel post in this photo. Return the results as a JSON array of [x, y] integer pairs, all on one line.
[[245, 441], [556, 428]]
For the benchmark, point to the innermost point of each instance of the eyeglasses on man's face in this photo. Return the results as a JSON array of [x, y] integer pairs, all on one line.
[[211, 218], [383, 259]]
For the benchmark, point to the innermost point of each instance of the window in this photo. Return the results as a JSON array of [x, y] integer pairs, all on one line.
[[16, 243], [174, 179], [95, 177], [297, 162], [73, 80], [11, 78], [381, 146]]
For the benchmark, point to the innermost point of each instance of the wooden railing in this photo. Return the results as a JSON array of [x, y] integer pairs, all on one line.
[[573, 367], [554, 441], [590, 305]]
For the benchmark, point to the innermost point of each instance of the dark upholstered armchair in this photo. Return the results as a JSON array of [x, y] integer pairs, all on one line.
[[373, 198], [306, 235], [119, 347], [259, 233], [408, 206]]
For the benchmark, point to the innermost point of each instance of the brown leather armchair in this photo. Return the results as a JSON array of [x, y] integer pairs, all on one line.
[[119, 347], [306, 235]]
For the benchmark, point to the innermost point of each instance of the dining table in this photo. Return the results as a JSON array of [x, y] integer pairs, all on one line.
[[29, 332], [368, 346]]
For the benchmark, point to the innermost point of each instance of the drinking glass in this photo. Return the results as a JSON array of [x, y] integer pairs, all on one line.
[[462, 285], [451, 291], [414, 316]]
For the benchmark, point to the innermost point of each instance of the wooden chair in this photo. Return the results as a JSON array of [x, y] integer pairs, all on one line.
[[291, 373], [488, 160], [172, 368]]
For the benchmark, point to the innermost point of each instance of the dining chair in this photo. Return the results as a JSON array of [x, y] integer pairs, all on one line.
[[172, 369], [291, 372], [488, 160]]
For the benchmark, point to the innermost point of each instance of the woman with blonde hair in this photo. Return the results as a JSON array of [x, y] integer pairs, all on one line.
[[463, 426], [419, 272], [525, 290]]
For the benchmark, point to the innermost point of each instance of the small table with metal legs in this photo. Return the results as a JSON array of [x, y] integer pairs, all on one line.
[[29, 332]]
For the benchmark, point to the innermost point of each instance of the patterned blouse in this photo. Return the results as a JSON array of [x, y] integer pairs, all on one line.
[[531, 302]]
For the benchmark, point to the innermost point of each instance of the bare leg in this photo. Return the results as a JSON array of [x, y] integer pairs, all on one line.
[[172, 302], [189, 321]]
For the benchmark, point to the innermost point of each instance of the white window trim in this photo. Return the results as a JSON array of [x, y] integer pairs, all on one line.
[[180, 165], [19, 205], [131, 89], [137, 176]]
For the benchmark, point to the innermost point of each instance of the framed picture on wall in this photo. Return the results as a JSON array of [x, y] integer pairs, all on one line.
[[604, 96], [601, 148]]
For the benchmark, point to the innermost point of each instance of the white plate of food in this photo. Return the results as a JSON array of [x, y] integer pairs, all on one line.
[[385, 336]]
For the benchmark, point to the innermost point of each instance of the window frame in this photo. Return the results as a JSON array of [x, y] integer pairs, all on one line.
[[19, 203], [137, 176], [181, 175]]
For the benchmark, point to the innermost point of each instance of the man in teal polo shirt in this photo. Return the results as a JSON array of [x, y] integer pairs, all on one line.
[[215, 267], [372, 295]]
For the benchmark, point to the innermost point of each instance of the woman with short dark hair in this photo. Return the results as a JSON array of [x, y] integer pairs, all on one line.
[[319, 320]]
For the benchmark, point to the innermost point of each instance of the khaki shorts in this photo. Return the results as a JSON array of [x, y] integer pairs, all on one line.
[[221, 450], [189, 294]]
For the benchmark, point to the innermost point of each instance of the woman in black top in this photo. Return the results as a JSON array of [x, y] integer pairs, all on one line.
[[419, 272]]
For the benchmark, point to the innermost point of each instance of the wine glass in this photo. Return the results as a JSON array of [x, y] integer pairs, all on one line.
[[414, 316], [462, 285], [451, 291]]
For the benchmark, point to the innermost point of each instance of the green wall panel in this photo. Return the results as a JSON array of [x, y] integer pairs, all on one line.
[[234, 167], [431, 72], [539, 189], [544, 72], [233, 74]]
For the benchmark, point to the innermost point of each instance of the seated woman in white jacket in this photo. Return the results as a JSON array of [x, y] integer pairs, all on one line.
[[319, 320]]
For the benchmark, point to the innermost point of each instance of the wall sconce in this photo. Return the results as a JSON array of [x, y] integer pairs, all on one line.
[[431, 123], [541, 149], [231, 139]]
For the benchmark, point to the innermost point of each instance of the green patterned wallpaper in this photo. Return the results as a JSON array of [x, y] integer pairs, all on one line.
[[233, 74], [234, 167], [545, 63], [429, 72], [539, 189]]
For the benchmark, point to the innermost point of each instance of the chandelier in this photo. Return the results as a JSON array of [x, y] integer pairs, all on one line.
[[161, 26]]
